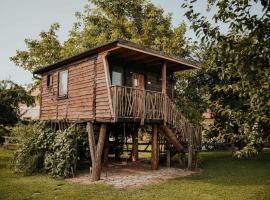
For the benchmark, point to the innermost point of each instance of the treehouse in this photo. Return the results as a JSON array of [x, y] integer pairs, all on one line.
[[115, 88]]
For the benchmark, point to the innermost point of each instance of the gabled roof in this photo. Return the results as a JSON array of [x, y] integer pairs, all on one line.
[[186, 64]]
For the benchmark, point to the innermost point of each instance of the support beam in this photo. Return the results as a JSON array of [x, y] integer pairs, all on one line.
[[135, 153], [96, 150], [171, 137], [164, 78], [155, 148]]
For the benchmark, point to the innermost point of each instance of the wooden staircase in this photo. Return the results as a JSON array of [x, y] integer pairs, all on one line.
[[135, 104], [177, 128]]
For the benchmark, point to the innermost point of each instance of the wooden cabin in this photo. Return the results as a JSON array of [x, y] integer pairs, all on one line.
[[115, 83]]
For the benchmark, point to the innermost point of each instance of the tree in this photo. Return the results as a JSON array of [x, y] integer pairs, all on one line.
[[11, 95], [235, 73], [103, 20]]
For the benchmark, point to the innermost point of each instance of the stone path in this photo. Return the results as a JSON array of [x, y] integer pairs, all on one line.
[[132, 176]]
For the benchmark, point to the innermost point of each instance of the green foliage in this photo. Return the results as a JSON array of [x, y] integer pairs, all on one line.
[[103, 20], [4, 131], [61, 157], [40, 52], [11, 94], [43, 149], [187, 96], [236, 69], [221, 178], [29, 158]]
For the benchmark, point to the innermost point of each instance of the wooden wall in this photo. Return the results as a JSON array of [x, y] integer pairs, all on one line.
[[87, 79], [79, 104]]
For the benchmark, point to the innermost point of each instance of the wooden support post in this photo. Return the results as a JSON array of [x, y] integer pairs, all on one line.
[[135, 153], [164, 78], [96, 150], [155, 148], [163, 89], [171, 137], [168, 154]]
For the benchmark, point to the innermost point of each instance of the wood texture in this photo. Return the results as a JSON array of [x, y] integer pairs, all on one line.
[[155, 148], [96, 150], [135, 152]]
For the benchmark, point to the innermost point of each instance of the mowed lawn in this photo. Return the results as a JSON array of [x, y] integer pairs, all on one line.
[[223, 178]]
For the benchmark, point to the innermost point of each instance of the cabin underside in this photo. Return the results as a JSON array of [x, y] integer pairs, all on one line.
[[110, 143]]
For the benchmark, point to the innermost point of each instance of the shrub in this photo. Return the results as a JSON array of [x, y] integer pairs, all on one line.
[[29, 158], [215, 143], [4, 131], [41, 148], [61, 157]]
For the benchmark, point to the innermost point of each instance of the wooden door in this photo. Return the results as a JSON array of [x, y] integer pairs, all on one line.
[[138, 81], [138, 85]]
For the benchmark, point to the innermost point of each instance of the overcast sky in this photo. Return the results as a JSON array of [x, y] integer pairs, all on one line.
[[20, 19]]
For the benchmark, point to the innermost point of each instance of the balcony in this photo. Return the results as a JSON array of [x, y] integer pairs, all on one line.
[[144, 106]]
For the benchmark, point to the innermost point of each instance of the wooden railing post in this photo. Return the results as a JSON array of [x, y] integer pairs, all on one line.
[[163, 89]]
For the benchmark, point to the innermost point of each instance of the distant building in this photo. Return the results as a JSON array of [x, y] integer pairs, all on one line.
[[31, 112]]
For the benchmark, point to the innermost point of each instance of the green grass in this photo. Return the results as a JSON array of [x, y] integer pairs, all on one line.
[[222, 178]]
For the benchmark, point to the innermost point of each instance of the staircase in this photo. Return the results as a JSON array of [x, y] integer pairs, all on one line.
[[176, 126], [135, 104]]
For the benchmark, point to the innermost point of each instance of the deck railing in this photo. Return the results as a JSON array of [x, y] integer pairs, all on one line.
[[139, 104]]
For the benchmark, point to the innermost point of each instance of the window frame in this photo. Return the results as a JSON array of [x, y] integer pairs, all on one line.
[[121, 71], [49, 83], [58, 90]]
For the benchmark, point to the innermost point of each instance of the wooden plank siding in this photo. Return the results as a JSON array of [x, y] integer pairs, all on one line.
[[83, 77]]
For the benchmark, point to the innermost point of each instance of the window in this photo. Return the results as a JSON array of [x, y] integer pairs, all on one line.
[[63, 84], [117, 75], [49, 80]]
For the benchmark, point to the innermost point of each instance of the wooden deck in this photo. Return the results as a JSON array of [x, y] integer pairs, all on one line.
[[132, 104]]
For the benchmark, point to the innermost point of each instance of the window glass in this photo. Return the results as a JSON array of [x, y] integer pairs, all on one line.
[[49, 80], [63, 83], [117, 75]]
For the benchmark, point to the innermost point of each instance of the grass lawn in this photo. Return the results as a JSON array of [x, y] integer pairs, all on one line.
[[223, 178]]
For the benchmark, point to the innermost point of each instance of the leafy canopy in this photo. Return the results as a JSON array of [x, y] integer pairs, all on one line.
[[11, 95], [103, 20], [235, 74]]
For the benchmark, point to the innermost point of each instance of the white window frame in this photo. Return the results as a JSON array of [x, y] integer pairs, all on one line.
[[63, 91]]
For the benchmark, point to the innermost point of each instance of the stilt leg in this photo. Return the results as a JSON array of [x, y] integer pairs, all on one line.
[[135, 154], [96, 151], [154, 158]]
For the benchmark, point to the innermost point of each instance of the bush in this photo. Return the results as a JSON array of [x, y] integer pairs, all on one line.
[[29, 158], [4, 131], [61, 157], [43, 149], [215, 143]]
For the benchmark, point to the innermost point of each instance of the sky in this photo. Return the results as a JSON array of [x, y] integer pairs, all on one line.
[[21, 19]]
